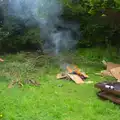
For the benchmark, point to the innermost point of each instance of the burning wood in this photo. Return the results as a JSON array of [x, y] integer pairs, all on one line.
[[73, 73], [77, 79]]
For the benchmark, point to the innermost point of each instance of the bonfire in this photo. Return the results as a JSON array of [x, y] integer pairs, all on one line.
[[74, 73]]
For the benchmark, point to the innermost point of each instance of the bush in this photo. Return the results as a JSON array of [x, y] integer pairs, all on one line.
[[99, 23], [99, 20], [29, 39]]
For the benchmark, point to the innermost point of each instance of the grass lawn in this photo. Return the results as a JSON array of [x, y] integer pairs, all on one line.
[[54, 99]]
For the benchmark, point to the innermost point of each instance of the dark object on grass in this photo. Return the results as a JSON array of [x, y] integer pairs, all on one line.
[[32, 82], [109, 96], [109, 91], [110, 87], [60, 85]]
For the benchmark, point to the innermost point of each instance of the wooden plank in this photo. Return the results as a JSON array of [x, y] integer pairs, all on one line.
[[116, 73], [76, 78]]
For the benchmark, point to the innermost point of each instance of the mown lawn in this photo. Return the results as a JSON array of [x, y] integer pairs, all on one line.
[[53, 99]]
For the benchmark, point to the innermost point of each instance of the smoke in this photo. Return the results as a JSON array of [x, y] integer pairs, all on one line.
[[58, 34]]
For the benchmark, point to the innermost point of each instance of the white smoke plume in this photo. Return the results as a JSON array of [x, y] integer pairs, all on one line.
[[58, 35]]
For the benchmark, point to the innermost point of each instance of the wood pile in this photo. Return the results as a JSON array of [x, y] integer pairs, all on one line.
[[73, 73]]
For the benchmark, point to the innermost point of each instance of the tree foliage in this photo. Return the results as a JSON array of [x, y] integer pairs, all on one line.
[[99, 19], [99, 23]]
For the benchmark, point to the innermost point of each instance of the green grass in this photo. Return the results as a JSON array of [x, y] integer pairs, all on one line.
[[54, 99]]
